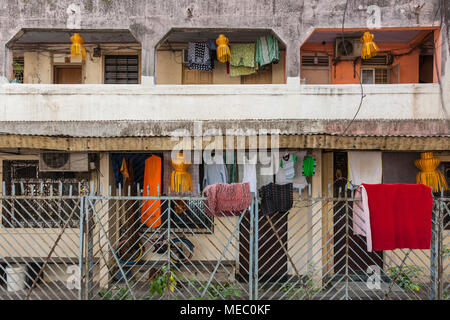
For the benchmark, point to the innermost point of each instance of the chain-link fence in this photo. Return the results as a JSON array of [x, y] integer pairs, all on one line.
[[173, 247]]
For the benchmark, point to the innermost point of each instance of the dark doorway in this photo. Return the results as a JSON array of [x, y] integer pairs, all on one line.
[[426, 68], [272, 261], [359, 257]]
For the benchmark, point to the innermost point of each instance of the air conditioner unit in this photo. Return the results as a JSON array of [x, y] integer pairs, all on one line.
[[63, 161], [349, 49]]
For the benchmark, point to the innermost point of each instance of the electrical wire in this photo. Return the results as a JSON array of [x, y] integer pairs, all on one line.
[[354, 71], [172, 50]]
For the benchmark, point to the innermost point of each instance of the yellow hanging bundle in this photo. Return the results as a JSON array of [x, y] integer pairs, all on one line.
[[223, 50], [429, 175], [180, 180], [77, 50], [368, 49]]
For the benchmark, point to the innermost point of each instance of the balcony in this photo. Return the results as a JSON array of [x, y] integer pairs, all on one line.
[[48, 102]]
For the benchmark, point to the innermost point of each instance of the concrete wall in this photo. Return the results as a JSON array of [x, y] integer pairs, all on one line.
[[172, 102], [169, 68], [38, 68], [93, 71], [292, 20]]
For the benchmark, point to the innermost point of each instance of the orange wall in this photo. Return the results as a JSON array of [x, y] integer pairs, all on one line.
[[409, 64], [437, 54]]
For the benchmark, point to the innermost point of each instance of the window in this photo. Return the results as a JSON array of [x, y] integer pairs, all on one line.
[[121, 69], [27, 180], [18, 65], [315, 69], [315, 61], [378, 70], [374, 76], [368, 76]]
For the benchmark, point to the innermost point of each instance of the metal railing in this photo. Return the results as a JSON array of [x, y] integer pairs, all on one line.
[[107, 247]]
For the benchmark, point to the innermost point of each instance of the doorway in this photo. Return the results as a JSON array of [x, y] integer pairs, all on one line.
[[272, 261], [359, 259], [68, 74]]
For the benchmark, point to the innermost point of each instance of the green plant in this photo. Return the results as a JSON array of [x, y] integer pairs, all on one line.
[[115, 293], [164, 281], [217, 291], [302, 289], [406, 277], [445, 252]]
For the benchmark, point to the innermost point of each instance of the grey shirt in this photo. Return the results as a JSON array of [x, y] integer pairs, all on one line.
[[214, 173]]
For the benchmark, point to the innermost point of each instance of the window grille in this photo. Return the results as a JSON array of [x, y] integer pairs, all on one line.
[[121, 69]]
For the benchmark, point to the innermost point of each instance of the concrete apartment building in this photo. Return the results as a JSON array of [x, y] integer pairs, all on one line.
[[317, 98]]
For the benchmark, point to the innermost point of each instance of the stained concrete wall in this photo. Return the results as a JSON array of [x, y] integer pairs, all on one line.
[[149, 21], [37, 68], [231, 102]]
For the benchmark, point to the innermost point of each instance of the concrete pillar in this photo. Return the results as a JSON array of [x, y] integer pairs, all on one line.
[[148, 61], [293, 63], [316, 218], [106, 179]]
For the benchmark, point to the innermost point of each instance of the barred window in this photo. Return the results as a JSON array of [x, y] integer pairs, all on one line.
[[31, 212], [18, 65], [121, 69]]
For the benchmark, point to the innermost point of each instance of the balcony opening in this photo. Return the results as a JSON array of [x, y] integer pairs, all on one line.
[[173, 65], [43, 56], [405, 56]]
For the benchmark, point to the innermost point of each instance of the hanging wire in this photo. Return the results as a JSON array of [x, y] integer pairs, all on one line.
[[354, 71]]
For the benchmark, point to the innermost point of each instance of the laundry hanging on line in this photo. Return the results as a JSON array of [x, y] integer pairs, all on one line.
[[214, 171], [227, 199], [364, 167], [137, 161], [283, 177], [267, 51], [199, 56], [151, 209], [242, 60], [361, 216], [276, 198], [396, 216]]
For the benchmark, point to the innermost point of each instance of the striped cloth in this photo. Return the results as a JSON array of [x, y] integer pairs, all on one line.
[[276, 198], [288, 166], [267, 50]]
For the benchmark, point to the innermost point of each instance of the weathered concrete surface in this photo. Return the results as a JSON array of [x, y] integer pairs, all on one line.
[[47, 102], [127, 128], [149, 21]]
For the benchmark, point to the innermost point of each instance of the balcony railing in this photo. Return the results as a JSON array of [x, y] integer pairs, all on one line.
[[41, 102]]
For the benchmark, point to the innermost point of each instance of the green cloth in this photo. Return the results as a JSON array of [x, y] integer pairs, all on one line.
[[309, 166], [267, 50], [242, 60]]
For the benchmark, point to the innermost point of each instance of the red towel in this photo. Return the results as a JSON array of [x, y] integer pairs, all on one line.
[[400, 215]]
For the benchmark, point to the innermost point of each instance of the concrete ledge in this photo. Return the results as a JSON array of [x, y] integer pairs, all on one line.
[[216, 102]]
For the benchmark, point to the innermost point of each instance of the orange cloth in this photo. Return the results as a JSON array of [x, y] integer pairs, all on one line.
[[151, 210]]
